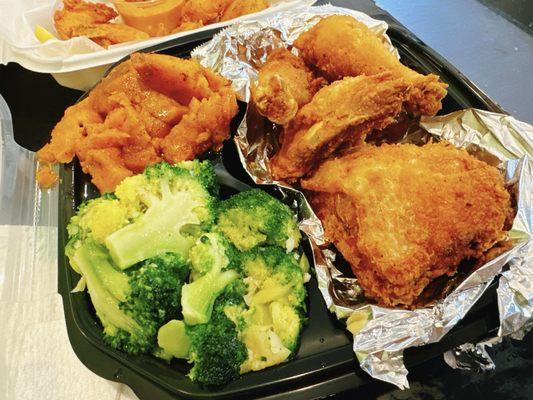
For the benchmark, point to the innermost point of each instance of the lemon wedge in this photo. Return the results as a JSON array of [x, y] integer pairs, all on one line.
[[42, 34]]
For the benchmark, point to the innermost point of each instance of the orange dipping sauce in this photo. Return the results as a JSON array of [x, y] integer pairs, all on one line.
[[155, 17]]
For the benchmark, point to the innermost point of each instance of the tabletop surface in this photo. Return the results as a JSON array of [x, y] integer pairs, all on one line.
[[492, 45]]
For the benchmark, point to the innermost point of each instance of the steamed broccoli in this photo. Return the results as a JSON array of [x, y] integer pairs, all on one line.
[[162, 210], [254, 218], [272, 324], [131, 305], [174, 206], [213, 267], [216, 349]]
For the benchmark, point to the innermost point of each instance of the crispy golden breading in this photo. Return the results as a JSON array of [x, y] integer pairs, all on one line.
[[108, 34], [284, 84], [403, 215], [81, 18], [238, 8], [345, 111], [128, 121], [77, 13], [340, 46]]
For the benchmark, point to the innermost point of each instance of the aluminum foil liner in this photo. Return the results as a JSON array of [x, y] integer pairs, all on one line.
[[381, 334]]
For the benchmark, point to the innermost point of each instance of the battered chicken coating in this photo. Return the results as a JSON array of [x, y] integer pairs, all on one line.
[[403, 215], [284, 85], [76, 13], [340, 46], [345, 111], [108, 34], [81, 18], [149, 108], [238, 8]]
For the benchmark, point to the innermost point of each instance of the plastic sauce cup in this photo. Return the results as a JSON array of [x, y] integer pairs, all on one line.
[[155, 17]]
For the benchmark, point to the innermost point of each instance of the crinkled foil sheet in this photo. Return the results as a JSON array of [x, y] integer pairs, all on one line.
[[381, 334]]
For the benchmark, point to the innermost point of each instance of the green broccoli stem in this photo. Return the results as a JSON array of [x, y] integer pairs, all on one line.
[[107, 286], [173, 340], [160, 230], [198, 297]]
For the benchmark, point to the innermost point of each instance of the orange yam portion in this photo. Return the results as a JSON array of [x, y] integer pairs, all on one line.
[[46, 177], [173, 109]]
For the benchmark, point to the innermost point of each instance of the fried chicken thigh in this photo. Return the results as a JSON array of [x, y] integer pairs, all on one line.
[[284, 85], [340, 46], [345, 111], [403, 215]]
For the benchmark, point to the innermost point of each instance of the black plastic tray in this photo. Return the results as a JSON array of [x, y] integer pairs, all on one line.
[[325, 363]]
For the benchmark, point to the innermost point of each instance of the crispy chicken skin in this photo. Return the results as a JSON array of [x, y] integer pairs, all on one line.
[[345, 111], [150, 108], [340, 46], [284, 85], [81, 18], [403, 215]]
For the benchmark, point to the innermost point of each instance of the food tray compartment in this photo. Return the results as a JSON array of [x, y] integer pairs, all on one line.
[[325, 362]]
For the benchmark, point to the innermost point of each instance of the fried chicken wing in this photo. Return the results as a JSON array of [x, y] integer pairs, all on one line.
[[238, 8], [403, 215], [340, 46], [345, 111], [284, 85], [128, 121]]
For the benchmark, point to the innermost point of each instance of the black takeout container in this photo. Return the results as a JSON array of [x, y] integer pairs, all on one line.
[[325, 363]]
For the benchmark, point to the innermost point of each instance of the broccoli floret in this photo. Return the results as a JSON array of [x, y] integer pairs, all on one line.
[[276, 300], [98, 218], [205, 172], [216, 350], [213, 265], [173, 340], [173, 206], [130, 305], [253, 218]]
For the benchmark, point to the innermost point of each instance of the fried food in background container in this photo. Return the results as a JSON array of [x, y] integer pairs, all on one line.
[[78, 40], [150, 108], [462, 212]]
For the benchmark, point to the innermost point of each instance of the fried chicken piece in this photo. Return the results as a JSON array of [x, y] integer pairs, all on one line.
[[284, 85], [77, 13], [108, 34], [340, 46], [238, 8], [345, 111], [46, 177], [403, 215]]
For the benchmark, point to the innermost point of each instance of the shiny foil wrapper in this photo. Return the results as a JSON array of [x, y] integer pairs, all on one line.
[[382, 334]]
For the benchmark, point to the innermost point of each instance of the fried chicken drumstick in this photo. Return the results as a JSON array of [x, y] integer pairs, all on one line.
[[284, 85], [340, 46], [403, 215]]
